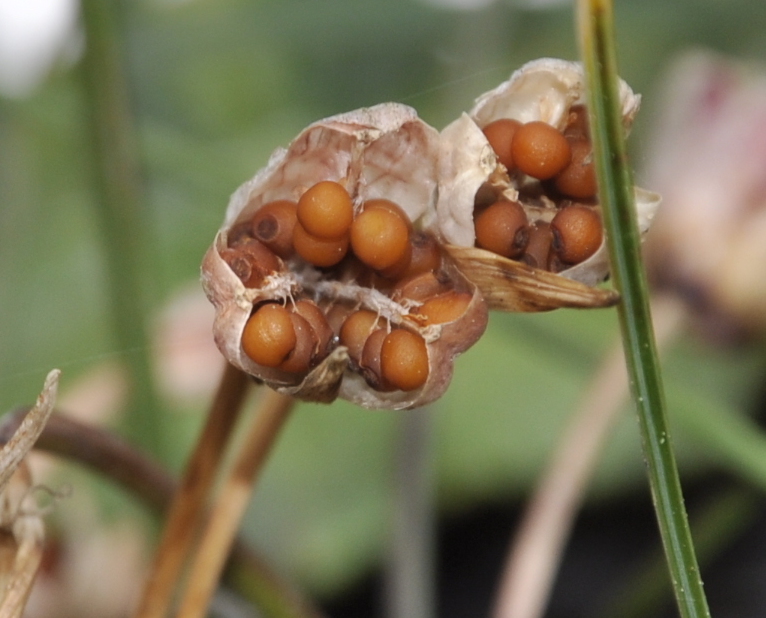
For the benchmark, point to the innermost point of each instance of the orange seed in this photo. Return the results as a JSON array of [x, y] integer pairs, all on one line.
[[578, 179], [499, 134], [502, 228], [269, 335], [577, 233], [325, 210], [444, 308], [355, 330], [380, 236], [404, 360], [540, 150], [273, 225], [318, 251]]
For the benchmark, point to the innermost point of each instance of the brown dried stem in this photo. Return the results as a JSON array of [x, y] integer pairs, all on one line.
[[189, 505], [535, 554], [143, 477], [214, 547]]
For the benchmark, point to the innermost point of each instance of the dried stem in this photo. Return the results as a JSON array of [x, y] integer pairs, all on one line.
[[140, 475], [410, 571], [190, 503], [273, 411], [535, 554]]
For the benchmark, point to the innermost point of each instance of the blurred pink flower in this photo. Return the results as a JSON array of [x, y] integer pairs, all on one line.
[[708, 160]]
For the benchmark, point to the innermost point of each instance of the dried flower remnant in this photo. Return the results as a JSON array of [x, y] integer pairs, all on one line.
[[549, 169], [333, 310], [708, 156]]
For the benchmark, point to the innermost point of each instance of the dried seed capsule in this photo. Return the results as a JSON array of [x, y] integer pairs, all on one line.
[[444, 308], [502, 228], [300, 357], [578, 179], [319, 324], [370, 361], [539, 245], [420, 287], [325, 210], [355, 330], [404, 360], [273, 225], [540, 150], [380, 235], [318, 251], [251, 262], [269, 335], [577, 233], [500, 134]]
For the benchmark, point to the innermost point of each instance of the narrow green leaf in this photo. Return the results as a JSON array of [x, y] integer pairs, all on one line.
[[616, 195]]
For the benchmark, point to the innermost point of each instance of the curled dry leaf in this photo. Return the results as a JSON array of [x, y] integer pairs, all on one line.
[[424, 270], [21, 529]]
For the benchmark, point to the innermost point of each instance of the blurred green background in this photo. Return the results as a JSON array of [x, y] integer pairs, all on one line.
[[214, 87]]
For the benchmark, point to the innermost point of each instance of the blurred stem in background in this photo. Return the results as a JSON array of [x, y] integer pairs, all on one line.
[[119, 213]]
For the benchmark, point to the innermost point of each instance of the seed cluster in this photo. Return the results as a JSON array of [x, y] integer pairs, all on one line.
[[374, 246], [550, 167]]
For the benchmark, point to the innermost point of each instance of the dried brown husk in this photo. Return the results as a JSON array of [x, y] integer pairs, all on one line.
[[381, 152], [545, 90]]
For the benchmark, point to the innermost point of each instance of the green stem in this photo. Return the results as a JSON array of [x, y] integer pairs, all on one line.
[[616, 196], [721, 521], [118, 212]]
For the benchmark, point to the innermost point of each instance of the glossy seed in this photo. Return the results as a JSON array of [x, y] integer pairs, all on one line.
[[300, 357], [318, 251], [355, 330], [426, 254], [500, 134], [326, 211], [316, 318], [502, 228], [420, 287], [380, 235], [444, 308], [269, 335], [273, 225], [538, 248], [370, 364], [578, 179], [577, 233], [252, 262], [404, 360], [540, 150]]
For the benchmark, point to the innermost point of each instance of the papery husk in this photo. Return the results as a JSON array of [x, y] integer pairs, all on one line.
[[382, 152], [545, 90], [508, 285]]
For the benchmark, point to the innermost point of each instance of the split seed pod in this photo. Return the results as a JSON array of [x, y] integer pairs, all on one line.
[[472, 175], [384, 152]]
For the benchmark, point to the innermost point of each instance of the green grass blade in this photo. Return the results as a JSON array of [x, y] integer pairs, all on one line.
[[616, 195]]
